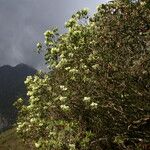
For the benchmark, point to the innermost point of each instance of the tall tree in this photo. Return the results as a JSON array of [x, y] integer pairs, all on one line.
[[97, 94]]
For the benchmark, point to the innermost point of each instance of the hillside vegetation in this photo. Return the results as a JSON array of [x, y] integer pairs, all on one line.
[[9, 140]]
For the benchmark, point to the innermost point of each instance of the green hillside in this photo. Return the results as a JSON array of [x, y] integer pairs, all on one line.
[[10, 141]]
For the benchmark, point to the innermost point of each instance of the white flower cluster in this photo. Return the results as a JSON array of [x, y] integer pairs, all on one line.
[[48, 33], [54, 50], [20, 126], [67, 68], [31, 106], [29, 93], [33, 120], [93, 105], [62, 62], [62, 98], [39, 45], [64, 107], [37, 145], [87, 99], [63, 88], [142, 3], [72, 146], [96, 66], [73, 71], [70, 54], [28, 79], [84, 66]]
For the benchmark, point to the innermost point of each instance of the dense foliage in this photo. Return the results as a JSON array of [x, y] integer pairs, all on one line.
[[97, 93]]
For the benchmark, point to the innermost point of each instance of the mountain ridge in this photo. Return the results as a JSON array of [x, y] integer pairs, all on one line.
[[11, 88]]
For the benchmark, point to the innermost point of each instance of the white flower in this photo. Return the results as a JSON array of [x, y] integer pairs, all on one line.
[[86, 99], [54, 50], [73, 70], [41, 124], [62, 98], [142, 3], [48, 32], [30, 106], [20, 126], [62, 87], [72, 146], [29, 93], [33, 120], [64, 107], [85, 10], [37, 145], [70, 54], [67, 68], [62, 62], [84, 66], [75, 48], [73, 78], [62, 56], [39, 45], [98, 7], [28, 79], [96, 66], [93, 105], [52, 133], [91, 57]]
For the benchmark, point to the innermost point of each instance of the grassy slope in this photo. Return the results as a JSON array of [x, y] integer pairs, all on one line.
[[10, 141]]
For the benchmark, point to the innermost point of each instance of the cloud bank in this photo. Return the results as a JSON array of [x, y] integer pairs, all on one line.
[[23, 22]]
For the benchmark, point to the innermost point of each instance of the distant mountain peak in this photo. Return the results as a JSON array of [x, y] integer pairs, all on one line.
[[5, 66], [11, 87], [22, 65]]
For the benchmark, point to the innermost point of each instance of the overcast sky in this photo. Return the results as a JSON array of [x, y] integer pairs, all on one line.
[[23, 22]]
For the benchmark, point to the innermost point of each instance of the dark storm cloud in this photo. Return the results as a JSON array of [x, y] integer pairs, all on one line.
[[23, 22]]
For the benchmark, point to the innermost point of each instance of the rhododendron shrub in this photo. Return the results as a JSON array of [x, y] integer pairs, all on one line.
[[97, 92]]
